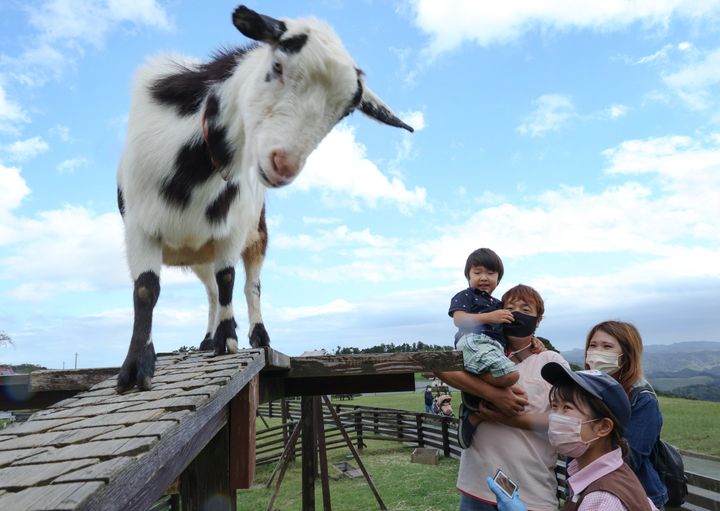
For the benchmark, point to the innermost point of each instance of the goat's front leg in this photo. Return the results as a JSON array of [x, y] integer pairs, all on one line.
[[253, 257], [145, 260], [225, 339]]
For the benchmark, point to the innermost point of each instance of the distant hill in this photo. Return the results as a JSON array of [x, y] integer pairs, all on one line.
[[687, 369]]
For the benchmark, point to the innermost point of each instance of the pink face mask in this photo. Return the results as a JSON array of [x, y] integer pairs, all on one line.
[[564, 435]]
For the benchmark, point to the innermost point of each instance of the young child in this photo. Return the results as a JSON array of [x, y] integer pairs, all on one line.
[[590, 411], [479, 318]]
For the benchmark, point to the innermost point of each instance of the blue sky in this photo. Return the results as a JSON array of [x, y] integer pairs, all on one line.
[[579, 140]]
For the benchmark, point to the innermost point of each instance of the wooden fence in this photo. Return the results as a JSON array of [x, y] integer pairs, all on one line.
[[418, 430]]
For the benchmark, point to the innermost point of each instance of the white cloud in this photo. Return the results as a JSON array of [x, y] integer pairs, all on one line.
[[62, 132], [311, 220], [552, 113], [452, 22], [71, 165], [63, 28], [617, 111], [694, 82], [334, 307], [339, 169], [415, 119], [13, 189], [27, 149], [341, 236], [11, 114]]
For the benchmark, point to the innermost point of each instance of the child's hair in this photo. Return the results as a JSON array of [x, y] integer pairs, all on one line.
[[631, 343], [487, 258], [572, 393], [526, 294]]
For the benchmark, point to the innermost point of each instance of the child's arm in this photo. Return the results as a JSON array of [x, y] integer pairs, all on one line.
[[506, 380], [508, 400], [531, 421], [463, 319]]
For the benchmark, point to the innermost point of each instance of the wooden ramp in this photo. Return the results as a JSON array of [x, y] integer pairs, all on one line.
[[102, 451]]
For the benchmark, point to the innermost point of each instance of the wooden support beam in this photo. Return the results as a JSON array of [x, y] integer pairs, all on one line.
[[309, 453], [205, 483], [71, 379], [243, 409], [338, 385]]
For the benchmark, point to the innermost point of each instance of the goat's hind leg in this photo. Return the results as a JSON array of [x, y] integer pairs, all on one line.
[[207, 276], [145, 260]]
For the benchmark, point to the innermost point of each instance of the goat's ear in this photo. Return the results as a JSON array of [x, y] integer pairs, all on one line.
[[374, 107], [258, 26]]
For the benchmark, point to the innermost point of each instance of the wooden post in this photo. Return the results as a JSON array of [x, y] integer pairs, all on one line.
[[419, 423], [309, 454], [359, 429], [205, 483], [445, 437], [322, 453], [376, 423], [398, 422], [243, 408]]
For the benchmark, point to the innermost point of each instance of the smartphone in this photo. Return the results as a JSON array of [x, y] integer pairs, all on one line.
[[506, 484]]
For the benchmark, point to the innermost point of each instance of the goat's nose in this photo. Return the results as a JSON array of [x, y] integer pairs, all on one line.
[[283, 166]]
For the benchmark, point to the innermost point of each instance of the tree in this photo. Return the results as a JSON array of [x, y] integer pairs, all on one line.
[[5, 340]]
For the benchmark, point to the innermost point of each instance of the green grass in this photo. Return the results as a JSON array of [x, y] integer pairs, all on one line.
[[691, 425], [404, 486]]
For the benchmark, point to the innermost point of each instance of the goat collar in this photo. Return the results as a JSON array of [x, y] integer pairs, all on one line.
[[206, 137]]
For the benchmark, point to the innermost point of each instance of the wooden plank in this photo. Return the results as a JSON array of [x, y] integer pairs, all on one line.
[[98, 449], [172, 453], [58, 497], [153, 428], [102, 471], [119, 418], [37, 426], [70, 379], [275, 361], [8, 457], [54, 438], [243, 409], [309, 454], [374, 364], [170, 403], [25, 476]]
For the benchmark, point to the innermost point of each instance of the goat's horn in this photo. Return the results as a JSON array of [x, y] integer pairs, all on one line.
[[372, 106]]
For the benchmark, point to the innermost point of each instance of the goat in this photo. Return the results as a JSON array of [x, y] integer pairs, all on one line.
[[204, 141]]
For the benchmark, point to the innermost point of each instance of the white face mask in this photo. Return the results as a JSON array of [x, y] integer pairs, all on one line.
[[605, 361], [564, 434]]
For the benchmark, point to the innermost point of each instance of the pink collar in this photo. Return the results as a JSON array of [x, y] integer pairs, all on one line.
[[582, 478], [206, 137]]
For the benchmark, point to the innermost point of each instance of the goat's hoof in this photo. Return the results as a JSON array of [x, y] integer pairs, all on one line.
[[208, 343], [259, 336], [138, 369]]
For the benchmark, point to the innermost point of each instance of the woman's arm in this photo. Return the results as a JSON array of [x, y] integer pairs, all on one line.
[[508, 400], [644, 428]]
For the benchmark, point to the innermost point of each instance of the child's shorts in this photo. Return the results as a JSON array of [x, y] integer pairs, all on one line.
[[482, 353]]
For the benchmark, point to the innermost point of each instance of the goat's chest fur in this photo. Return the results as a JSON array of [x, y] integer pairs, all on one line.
[[171, 188]]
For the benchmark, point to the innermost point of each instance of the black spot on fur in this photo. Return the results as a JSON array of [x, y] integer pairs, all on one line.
[[192, 168], [121, 202], [293, 44], [217, 211], [225, 280], [221, 152], [186, 89]]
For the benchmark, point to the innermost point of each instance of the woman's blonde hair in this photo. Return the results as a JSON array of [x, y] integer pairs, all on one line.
[[631, 344]]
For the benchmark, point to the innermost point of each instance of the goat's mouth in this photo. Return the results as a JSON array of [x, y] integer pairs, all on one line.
[[269, 182]]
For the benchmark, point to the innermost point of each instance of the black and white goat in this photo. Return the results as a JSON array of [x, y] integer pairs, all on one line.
[[204, 141]]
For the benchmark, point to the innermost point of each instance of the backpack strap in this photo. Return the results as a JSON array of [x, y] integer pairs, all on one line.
[[636, 390]]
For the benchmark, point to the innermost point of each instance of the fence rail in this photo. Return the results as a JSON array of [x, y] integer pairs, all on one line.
[[418, 430]]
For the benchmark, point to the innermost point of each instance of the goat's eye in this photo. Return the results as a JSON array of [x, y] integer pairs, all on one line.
[[277, 67]]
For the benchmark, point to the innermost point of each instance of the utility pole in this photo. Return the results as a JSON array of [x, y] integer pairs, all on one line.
[[75, 360], [63, 365]]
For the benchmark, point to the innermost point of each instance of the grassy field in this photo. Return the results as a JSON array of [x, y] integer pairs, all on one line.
[[690, 425]]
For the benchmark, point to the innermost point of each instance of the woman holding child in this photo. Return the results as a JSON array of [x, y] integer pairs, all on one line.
[[523, 454]]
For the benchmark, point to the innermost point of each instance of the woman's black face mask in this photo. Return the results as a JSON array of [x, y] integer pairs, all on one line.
[[524, 325]]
